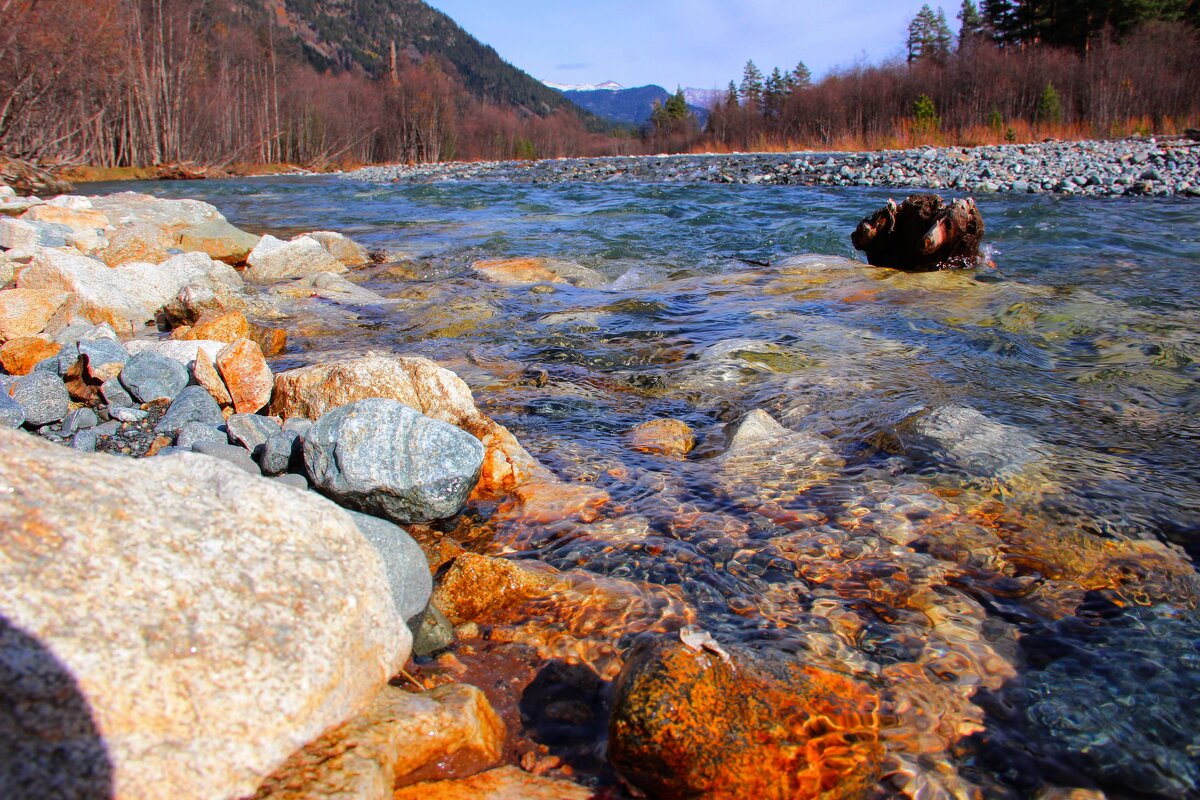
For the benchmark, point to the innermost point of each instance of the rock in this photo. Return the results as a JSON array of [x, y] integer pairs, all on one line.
[[206, 375], [160, 638], [110, 428], [693, 718], [229, 453], [25, 312], [194, 301], [103, 358], [546, 502], [331, 287], [523, 271], [124, 414], [275, 260], [16, 234], [11, 413], [433, 634], [183, 352], [84, 441], [80, 220], [282, 452], [190, 225], [384, 458], [42, 397], [251, 431], [246, 375], [7, 270], [418, 383], [344, 249], [82, 387], [922, 234], [194, 404], [114, 394], [968, 440], [502, 783], [292, 480], [20, 355], [400, 738], [192, 433], [79, 419], [297, 425], [405, 563], [272, 341], [476, 586], [756, 427], [667, 437], [136, 242], [149, 376], [227, 327]]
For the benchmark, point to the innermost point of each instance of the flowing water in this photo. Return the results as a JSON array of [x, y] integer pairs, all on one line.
[[986, 494]]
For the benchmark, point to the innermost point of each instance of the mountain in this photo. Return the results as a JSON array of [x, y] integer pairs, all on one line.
[[613, 102], [359, 35], [583, 87]]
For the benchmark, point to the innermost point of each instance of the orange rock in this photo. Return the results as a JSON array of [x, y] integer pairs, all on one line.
[[399, 739], [81, 386], [421, 384], [515, 271], [24, 312], [77, 219], [502, 783], [477, 585], [246, 375], [666, 437], [691, 718], [217, 327], [206, 375], [181, 333], [19, 356], [547, 502], [144, 243], [273, 341]]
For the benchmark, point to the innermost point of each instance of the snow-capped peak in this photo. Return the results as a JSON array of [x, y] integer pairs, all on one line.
[[610, 86]]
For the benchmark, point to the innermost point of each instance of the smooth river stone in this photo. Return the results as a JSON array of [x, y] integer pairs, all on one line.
[[384, 458], [149, 376]]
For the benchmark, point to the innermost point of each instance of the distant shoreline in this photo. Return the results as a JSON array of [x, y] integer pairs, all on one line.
[[1117, 168]]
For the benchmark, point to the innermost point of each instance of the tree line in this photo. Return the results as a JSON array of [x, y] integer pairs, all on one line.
[[1017, 69], [142, 82]]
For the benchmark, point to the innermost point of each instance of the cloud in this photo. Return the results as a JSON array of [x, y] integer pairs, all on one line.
[[578, 65]]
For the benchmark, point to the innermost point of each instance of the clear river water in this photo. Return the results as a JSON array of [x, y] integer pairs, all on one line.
[[986, 503]]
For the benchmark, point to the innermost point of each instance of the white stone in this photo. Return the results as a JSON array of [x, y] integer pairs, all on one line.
[[74, 202], [182, 350], [175, 628], [275, 260], [17, 234], [341, 247]]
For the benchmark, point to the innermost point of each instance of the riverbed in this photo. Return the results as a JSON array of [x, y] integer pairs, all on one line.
[[984, 492]]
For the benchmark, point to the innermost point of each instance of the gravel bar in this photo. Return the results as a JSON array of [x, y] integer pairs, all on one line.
[[1139, 166]]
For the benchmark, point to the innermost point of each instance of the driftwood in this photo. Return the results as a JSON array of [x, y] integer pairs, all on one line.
[[922, 234], [27, 178], [181, 172]]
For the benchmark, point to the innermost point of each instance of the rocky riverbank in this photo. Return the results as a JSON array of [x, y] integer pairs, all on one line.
[[1131, 167]]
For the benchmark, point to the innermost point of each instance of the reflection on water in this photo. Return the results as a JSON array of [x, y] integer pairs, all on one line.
[[971, 499]]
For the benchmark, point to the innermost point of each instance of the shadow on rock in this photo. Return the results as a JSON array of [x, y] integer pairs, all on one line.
[[565, 708], [49, 744]]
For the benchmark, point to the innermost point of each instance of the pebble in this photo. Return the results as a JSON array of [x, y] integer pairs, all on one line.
[[110, 428], [282, 452], [292, 479], [11, 414], [228, 452], [192, 433], [105, 358], [149, 376], [114, 394], [128, 414], [84, 441], [1108, 169], [251, 431], [79, 419]]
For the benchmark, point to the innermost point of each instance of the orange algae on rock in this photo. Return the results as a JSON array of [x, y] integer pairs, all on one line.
[[20, 355], [666, 437], [692, 720]]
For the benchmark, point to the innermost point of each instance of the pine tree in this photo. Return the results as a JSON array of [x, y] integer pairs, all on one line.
[[801, 77], [941, 37], [773, 93], [1049, 107], [929, 36], [972, 25], [751, 90], [1003, 20]]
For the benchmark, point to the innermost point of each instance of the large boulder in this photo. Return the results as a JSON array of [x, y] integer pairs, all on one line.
[[693, 718], [416, 382], [161, 642], [24, 312], [525, 271], [921, 234], [384, 458], [191, 225], [275, 260]]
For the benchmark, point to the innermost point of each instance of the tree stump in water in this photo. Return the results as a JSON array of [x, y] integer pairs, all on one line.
[[922, 234]]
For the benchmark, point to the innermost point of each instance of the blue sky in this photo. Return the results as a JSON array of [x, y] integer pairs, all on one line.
[[700, 43]]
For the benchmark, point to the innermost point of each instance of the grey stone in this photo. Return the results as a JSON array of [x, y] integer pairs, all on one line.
[[171, 450], [433, 634], [169, 644], [110, 428], [300, 425], [283, 452], [79, 419], [194, 404], [382, 457], [251, 431], [104, 357], [405, 563], [48, 365], [114, 394], [192, 433], [968, 440], [149, 376], [125, 414], [292, 479], [42, 396], [84, 441], [11, 414], [228, 452]]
